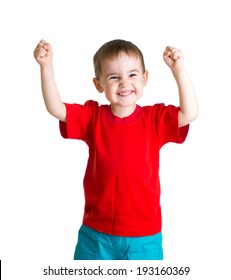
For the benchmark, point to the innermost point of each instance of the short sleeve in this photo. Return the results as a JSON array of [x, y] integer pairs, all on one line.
[[78, 120], [166, 121]]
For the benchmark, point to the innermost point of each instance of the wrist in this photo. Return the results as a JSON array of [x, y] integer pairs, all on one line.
[[46, 67], [179, 71]]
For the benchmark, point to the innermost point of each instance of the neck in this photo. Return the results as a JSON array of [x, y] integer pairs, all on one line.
[[123, 112]]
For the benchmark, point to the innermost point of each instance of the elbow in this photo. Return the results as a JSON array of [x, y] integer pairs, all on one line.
[[58, 113], [196, 113], [187, 118], [193, 115], [51, 111]]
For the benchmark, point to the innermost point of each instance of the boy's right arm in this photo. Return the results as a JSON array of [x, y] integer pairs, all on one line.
[[54, 105]]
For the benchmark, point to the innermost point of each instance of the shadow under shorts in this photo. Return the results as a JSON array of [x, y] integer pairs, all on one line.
[[94, 245]]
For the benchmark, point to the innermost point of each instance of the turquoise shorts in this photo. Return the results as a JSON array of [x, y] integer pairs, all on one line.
[[94, 245]]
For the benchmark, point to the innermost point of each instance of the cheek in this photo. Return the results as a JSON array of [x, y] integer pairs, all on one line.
[[110, 86]]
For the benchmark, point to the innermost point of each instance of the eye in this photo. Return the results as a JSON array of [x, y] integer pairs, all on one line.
[[113, 77], [133, 75]]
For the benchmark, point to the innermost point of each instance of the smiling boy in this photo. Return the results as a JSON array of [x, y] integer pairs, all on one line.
[[122, 214]]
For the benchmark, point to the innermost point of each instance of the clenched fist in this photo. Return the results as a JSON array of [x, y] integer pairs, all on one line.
[[173, 58], [43, 53]]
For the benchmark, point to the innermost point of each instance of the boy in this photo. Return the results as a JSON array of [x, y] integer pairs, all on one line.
[[122, 215]]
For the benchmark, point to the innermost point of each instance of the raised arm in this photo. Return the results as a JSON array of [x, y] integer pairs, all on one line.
[[54, 105], [187, 97]]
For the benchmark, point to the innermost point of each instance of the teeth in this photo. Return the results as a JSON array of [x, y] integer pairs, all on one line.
[[125, 93]]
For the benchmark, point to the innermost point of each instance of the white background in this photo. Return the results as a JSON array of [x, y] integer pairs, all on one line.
[[41, 195]]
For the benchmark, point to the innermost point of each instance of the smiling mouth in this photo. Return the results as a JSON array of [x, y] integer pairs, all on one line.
[[125, 93]]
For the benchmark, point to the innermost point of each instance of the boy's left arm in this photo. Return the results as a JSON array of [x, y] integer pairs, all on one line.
[[187, 97]]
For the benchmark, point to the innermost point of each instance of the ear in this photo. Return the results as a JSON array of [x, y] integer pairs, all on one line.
[[145, 77], [98, 85]]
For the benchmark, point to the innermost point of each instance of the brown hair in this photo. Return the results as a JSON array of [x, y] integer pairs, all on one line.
[[112, 49]]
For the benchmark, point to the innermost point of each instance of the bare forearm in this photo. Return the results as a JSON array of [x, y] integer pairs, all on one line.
[[188, 101], [51, 94], [54, 105], [187, 97]]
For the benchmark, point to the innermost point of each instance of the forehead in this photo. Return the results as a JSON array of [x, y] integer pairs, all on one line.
[[122, 60]]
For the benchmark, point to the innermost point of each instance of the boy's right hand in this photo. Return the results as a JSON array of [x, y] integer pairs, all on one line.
[[43, 53]]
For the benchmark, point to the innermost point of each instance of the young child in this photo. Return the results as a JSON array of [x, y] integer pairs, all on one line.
[[122, 215]]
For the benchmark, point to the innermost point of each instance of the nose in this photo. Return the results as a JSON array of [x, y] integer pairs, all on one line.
[[123, 81]]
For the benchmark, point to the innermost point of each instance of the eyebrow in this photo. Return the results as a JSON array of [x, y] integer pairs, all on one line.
[[131, 71]]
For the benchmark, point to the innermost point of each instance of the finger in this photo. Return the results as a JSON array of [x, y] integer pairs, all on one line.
[[47, 46], [42, 52], [168, 51], [176, 54], [44, 44], [41, 43], [170, 48], [173, 52]]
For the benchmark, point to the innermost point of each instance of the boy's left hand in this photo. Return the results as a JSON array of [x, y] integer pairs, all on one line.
[[173, 58]]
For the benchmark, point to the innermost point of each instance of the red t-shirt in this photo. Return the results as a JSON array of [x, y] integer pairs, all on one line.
[[121, 183]]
